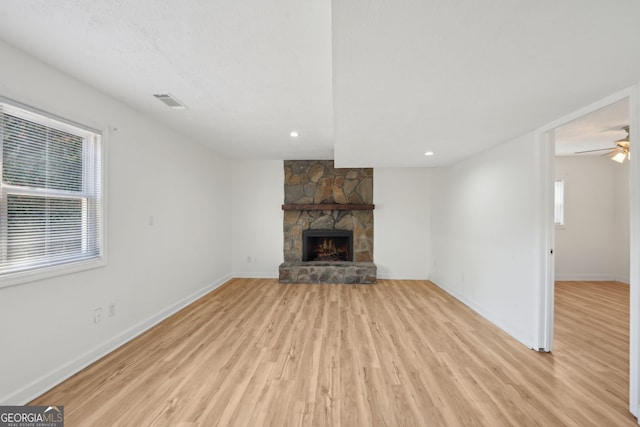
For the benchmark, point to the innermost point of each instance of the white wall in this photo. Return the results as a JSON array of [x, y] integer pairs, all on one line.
[[46, 327], [485, 235], [402, 222], [258, 195], [594, 242]]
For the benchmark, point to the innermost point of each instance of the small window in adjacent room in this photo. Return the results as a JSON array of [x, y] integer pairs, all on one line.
[[51, 216], [558, 212]]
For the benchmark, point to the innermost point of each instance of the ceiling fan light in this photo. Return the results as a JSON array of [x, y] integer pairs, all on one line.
[[619, 157]]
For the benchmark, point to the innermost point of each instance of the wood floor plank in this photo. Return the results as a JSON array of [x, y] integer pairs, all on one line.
[[399, 353]]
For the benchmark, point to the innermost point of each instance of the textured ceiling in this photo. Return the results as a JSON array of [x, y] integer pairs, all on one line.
[[248, 71], [457, 76], [375, 83], [594, 131]]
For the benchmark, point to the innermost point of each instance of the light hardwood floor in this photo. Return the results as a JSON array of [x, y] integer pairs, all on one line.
[[398, 353]]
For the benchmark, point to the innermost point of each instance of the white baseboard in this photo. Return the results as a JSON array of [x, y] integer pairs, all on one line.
[[275, 275], [58, 375], [487, 315], [591, 278], [626, 280], [388, 276], [259, 275]]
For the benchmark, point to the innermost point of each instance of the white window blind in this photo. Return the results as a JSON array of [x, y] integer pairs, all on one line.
[[50, 198]]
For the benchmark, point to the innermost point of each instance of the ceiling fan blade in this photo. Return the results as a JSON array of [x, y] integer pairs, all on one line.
[[591, 151], [624, 140]]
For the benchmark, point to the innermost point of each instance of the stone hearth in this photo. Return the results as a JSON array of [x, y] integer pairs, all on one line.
[[328, 272], [321, 197]]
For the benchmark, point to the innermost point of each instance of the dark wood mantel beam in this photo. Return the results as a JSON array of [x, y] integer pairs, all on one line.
[[330, 207]]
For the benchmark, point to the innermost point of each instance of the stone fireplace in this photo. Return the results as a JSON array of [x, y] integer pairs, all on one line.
[[327, 245], [328, 223]]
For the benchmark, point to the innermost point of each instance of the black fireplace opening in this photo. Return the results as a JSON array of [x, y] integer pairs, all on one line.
[[327, 245]]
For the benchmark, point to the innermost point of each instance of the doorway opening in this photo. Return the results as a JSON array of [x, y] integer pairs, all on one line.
[[591, 203], [620, 240]]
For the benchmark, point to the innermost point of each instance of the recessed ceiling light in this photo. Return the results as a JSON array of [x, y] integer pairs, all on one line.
[[429, 153], [294, 134]]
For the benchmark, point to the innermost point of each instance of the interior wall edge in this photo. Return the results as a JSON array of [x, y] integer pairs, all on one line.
[[634, 273]]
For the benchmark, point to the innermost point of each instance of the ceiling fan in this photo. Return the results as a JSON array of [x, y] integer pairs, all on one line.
[[619, 152]]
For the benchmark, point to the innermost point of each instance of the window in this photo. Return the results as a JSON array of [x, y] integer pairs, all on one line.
[[50, 193], [558, 212]]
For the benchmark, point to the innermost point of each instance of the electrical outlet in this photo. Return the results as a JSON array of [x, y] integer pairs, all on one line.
[[97, 315], [112, 309]]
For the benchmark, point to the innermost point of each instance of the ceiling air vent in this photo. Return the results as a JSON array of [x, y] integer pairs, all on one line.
[[170, 101]]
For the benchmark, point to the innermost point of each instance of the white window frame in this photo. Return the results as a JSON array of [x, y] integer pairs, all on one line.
[[559, 204], [72, 265]]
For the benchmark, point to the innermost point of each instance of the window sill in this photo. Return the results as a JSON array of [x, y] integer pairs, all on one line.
[[18, 278]]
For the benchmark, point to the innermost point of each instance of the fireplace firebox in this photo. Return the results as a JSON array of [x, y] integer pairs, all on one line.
[[327, 245]]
